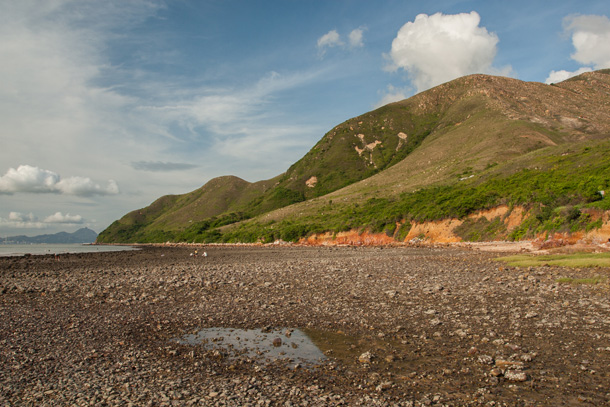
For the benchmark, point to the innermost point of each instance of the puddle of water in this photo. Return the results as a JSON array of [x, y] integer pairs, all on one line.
[[280, 344]]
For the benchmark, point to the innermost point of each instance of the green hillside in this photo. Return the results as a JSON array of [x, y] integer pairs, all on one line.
[[225, 197], [558, 183], [470, 135]]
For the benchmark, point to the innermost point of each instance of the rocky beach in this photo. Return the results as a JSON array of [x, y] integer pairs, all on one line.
[[396, 326]]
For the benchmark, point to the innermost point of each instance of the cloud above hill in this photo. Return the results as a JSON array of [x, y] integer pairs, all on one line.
[[562, 75], [59, 217], [20, 220], [438, 48], [27, 178], [591, 40]]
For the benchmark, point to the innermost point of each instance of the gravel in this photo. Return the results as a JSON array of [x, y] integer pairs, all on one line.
[[399, 326]]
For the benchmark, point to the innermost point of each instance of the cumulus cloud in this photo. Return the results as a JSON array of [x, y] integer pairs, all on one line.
[[20, 217], [22, 221], [161, 166], [591, 41], [83, 186], [559, 76], [59, 217], [330, 39], [356, 38], [27, 178], [438, 48]]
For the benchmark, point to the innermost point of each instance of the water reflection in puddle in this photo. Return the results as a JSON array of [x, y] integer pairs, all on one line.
[[287, 344]]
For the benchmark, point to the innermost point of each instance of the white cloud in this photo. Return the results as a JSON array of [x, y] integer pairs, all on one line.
[[58, 217], [356, 38], [438, 48], [559, 76], [20, 217], [330, 39], [82, 186], [591, 39], [19, 220], [27, 178], [233, 113]]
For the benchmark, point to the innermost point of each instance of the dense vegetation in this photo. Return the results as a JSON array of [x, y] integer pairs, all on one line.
[[556, 188], [555, 196]]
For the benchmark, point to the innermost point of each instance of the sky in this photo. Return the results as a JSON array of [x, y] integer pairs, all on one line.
[[108, 105]]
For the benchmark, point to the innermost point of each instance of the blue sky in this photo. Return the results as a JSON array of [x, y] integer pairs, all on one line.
[[107, 105]]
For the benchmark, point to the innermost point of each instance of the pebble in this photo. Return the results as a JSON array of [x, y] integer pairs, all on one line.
[[485, 360], [476, 328], [366, 357], [515, 376]]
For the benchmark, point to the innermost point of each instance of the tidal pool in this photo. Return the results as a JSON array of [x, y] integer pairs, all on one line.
[[292, 345]]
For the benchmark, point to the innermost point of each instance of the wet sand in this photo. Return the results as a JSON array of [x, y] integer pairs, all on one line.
[[398, 326]]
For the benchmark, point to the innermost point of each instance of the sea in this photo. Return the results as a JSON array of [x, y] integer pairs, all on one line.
[[22, 249]]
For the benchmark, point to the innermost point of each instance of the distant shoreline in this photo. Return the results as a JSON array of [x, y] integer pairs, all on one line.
[[524, 246], [42, 249]]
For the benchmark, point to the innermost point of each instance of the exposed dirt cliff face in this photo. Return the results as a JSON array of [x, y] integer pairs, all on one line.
[[437, 231], [444, 231], [603, 233], [352, 238]]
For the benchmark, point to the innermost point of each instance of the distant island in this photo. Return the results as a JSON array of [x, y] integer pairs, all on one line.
[[83, 235]]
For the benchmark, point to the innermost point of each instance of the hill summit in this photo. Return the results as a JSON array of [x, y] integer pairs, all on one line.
[[468, 145]]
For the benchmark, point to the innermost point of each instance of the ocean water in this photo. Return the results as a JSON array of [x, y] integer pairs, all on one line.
[[21, 249]]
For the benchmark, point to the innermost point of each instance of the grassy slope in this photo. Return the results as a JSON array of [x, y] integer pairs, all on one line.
[[459, 129], [171, 213], [556, 182], [578, 260], [336, 161], [479, 130]]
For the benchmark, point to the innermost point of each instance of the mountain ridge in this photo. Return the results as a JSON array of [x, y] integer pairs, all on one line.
[[451, 132], [82, 235]]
